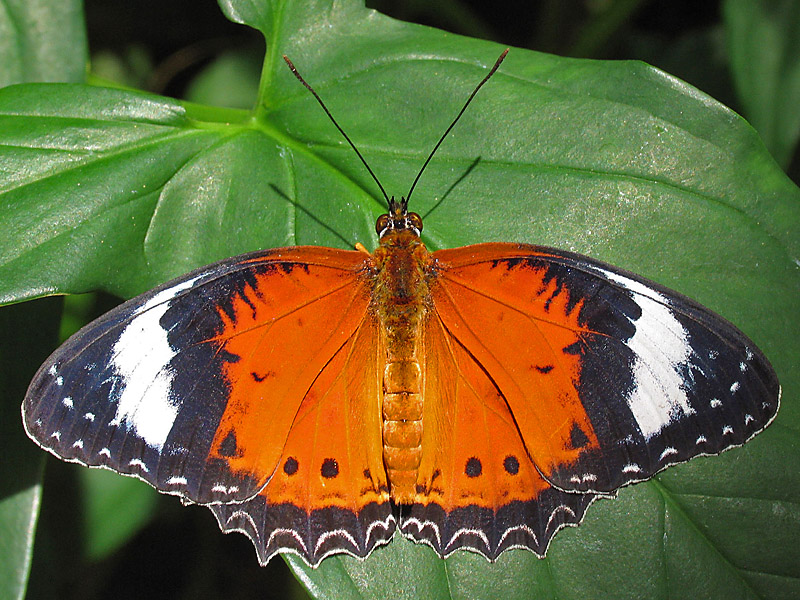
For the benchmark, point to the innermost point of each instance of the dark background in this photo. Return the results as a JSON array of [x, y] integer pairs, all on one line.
[[683, 37]]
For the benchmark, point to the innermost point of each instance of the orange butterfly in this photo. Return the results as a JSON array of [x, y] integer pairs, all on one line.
[[318, 400]]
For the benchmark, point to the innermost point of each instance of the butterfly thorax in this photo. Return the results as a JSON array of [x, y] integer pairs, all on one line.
[[400, 302]]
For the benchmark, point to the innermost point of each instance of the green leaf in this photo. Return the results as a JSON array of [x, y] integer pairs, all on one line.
[[764, 46], [119, 190], [42, 40]]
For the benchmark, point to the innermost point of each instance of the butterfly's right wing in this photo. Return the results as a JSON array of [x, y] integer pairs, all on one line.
[[609, 377]]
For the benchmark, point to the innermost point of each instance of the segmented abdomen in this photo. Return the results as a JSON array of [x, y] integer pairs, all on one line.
[[402, 427]]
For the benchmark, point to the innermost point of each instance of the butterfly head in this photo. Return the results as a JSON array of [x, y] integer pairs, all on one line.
[[398, 219]]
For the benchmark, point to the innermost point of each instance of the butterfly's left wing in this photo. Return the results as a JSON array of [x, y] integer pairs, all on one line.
[[609, 377], [194, 386]]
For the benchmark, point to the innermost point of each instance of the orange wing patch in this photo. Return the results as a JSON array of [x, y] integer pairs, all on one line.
[[535, 362], [329, 492], [477, 487], [333, 454], [273, 351], [472, 450]]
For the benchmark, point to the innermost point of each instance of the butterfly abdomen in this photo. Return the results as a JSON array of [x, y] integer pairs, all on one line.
[[400, 303], [402, 427]]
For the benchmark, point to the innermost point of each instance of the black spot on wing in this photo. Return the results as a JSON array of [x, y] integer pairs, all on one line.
[[330, 468], [262, 377], [228, 357], [228, 447], [511, 464], [290, 466], [473, 468]]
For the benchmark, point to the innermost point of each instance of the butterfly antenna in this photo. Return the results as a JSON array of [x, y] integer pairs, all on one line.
[[453, 124], [330, 116]]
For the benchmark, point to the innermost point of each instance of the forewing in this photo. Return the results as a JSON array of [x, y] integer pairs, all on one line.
[[194, 386], [609, 377]]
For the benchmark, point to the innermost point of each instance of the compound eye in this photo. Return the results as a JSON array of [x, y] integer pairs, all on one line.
[[382, 224], [415, 221]]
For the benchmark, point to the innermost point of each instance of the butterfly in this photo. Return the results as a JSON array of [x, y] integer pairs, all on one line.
[[321, 400]]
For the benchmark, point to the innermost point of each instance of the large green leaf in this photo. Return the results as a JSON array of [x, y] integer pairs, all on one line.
[[119, 191]]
